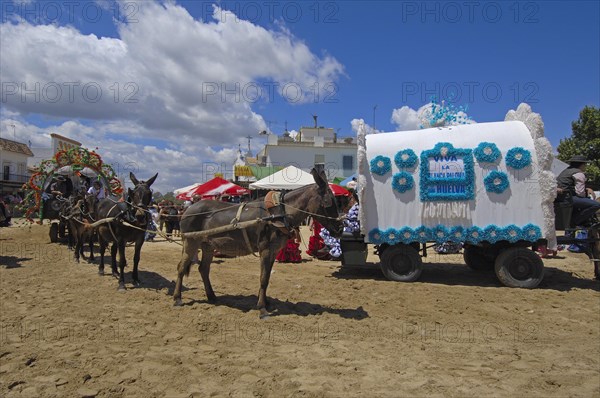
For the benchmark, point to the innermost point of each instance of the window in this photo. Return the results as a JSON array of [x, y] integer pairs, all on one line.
[[6, 172], [348, 162]]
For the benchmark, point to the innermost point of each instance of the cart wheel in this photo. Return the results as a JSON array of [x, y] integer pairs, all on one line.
[[55, 205], [479, 259], [594, 245], [401, 263], [519, 267], [54, 232]]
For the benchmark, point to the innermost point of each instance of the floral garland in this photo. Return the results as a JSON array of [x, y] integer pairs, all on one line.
[[408, 235], [518, 158], [402, 182], [391, 236], [457, 234], [423, 234], [405, 159], [380, 165], [441, 234], [475, 235], [487, 152], [496, 182], [78, 158], [428, 183]]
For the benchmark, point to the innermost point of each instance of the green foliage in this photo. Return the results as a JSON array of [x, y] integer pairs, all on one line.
[[584, 140], [157, 196]]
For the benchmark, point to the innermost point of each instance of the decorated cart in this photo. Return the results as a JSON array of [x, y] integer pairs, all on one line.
[[487, 186], [77, 165]]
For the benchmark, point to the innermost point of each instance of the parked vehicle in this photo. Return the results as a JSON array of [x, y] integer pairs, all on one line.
[[485, 185]]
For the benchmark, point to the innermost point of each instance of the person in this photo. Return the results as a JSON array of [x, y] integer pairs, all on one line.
[[163, 213], [68, 187], [85, 183], [57, 186], [171, 218], [352, 184], [97, 190], [152, 223], [571, 187], [291, 252], [316, 246], [5, 216]]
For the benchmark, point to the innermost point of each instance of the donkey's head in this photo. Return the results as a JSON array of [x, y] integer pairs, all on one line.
[[141, 195], [90, 205], [326, 208]]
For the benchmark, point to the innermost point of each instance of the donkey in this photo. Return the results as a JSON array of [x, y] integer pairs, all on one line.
[[279, 215], [134, 212], [80, 229]]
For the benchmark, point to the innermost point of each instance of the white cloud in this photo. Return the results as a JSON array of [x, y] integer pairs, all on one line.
[[405, 118], [154, 82], [355, 124], [177, 167], [427, 116]]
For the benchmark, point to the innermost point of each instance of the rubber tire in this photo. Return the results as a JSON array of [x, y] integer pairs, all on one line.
[[519, 267], [478, 259], [401, 263], [54, 232]]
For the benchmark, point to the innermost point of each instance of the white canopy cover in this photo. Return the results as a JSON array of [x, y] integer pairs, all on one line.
[[289, 178]]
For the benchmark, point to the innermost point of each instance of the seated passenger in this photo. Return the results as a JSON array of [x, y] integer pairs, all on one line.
[[97, 190], [571, 187]]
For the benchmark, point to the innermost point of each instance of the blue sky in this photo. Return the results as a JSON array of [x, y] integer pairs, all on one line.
[[487, 56]]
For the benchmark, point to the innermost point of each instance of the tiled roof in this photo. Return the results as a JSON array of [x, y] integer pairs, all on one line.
[[14, 146]]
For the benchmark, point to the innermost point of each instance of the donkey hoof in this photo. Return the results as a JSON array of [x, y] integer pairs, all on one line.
[[177, 303], [264, 314], [101, 272], [115, 274], [121, 287], [136, 284]]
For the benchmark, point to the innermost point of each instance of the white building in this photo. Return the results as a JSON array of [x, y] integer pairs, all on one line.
[[315, 145], [57, 143], [13, 159]]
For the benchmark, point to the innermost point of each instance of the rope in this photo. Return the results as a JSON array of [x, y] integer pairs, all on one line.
[[169, 239], [340, 218]]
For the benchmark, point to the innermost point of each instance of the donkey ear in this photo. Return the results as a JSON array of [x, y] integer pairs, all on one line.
[[320, 177], [129, 192], [133, 179], [151, 181]]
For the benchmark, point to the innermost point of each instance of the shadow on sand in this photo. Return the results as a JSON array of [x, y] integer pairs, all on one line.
[[12, 261], [459, 274], [279, 308]]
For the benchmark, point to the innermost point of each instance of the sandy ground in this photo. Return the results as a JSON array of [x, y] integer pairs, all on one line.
[[65, 331]]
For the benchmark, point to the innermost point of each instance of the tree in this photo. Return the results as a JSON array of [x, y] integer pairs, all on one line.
[[584, 140], [157, 196]]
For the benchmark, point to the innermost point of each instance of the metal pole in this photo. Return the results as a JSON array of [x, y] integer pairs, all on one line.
[[374, 108]]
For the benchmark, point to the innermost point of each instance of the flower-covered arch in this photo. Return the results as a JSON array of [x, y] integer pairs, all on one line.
[[77, 158]]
